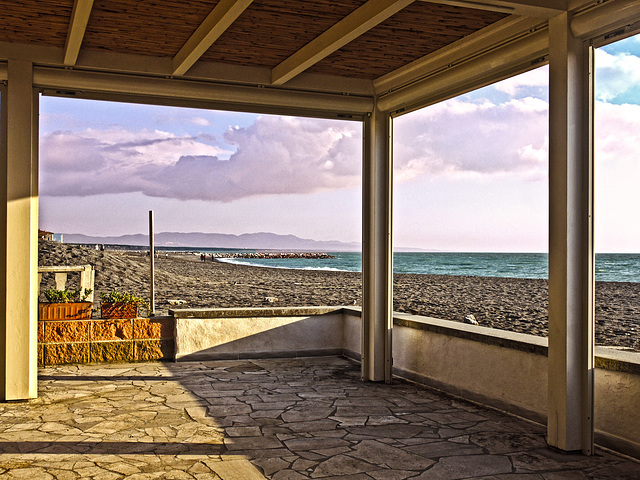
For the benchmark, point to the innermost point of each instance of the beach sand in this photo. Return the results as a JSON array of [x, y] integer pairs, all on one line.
[[519, 305]]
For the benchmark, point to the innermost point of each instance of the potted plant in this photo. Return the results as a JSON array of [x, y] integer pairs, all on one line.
[[65, 304], [121, 304]]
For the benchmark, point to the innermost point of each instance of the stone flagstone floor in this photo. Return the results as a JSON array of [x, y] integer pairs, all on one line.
[[281, 419]]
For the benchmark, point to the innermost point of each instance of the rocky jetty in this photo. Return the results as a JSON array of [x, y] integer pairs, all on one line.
[[268, 255]]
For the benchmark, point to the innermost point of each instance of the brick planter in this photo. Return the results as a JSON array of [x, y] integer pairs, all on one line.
[[119, 310], [105, 340], [65, 311]]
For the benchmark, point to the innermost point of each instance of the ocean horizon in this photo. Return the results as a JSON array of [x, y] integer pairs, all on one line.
[[610, 267]]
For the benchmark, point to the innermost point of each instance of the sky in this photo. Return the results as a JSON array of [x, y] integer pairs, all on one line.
[[470, 174]]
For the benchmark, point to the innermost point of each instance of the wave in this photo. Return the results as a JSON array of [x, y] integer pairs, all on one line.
[[260, 265]]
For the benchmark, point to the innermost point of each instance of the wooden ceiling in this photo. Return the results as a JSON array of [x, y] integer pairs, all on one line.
[[351, 55], [266, 33]]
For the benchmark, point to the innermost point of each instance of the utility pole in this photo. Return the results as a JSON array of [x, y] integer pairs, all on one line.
[[152, 256]]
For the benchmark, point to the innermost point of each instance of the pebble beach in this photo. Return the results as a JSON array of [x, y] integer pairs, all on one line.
[[519, 305]]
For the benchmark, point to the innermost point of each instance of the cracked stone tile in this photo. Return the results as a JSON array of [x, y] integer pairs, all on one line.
[[384, 420], [468, 466], [272, 465], [501, 442], [546, 460], [391, 474], [397, 431], [316, 425], [229, 409], [563, 476], [177, 440], [267, 413], [622, 471], [512, 476], [252, 443], [328, 452], [349, 421], [342, 465], [357, 411], [444, 449], [288, 475], [298, 444], [304, 465], [306, 414], [378, 453]]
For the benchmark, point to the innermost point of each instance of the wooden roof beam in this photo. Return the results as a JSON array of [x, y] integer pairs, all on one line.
[[221, 17], [528, 8], [352, 26], [503, 31], [77, 26]]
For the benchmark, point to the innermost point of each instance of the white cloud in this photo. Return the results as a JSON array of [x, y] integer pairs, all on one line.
[[275, 155], [457, 138], [617, 130], [200, 121], [616, 74], [533, 78]]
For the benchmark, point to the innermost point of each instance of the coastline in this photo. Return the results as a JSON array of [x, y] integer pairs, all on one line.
[[519, 305]]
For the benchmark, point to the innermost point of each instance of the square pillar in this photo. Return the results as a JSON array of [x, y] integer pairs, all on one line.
[[19, 236], [571, 252], [377, 248]]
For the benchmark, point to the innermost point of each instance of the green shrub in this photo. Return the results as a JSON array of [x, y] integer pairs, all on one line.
[[66, 296]]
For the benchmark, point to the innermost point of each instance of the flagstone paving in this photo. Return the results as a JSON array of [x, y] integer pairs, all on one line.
[[284, 419]]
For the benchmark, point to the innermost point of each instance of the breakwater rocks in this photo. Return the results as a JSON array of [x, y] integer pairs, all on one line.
[[268, 255]]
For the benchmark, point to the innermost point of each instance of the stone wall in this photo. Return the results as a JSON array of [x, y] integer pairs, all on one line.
[[99, 340]]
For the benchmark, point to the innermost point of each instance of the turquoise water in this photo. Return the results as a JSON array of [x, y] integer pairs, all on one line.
[[611, 267]]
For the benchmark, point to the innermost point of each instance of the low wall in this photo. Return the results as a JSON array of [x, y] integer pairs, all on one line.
[[98, 340], [232, 333], [502, 369], [509, 371]]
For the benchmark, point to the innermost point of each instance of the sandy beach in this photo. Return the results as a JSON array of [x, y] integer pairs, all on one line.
[[519, 305]]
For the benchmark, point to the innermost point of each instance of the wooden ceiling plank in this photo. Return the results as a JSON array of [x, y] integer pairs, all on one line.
[[529, 8], [220, 18], [476, 43], [77, 26], [352, 26]]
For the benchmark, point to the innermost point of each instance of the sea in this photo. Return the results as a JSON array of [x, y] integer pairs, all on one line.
[[610, 267]]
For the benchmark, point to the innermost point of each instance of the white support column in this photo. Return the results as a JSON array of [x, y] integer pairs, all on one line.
[[377, 256], [19, 238], [571, 253]]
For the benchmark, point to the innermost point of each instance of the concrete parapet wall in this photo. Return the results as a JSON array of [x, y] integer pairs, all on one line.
[[97, 340], [208, 334], [509, 371], [504, 369]]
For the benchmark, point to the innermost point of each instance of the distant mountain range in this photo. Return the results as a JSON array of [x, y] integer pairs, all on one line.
[[262, 240], [253, 241]]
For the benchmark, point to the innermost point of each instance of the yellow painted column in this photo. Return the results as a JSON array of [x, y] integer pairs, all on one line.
[[19, 239], [571, 253], [377, 254]]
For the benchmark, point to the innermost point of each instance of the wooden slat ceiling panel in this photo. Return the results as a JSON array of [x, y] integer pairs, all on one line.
[[418, 30], [269, 31], [146, 27], [35, 21]]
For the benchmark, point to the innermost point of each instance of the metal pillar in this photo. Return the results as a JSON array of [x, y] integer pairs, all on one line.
[[19, 238], [377, 256], [152, 273], [571, 253]]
